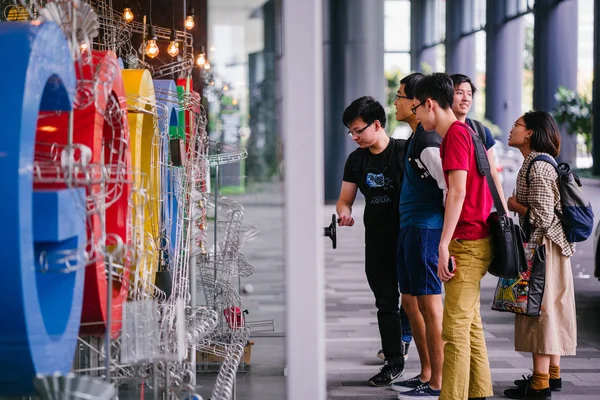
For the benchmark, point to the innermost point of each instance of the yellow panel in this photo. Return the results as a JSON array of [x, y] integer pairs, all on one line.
[[145, 159]]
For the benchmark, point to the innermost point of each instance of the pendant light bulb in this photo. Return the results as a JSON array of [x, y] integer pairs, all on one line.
[[173, 48], [152, 49], [127, 14], [207, 65], [189, 22], [201, 60]]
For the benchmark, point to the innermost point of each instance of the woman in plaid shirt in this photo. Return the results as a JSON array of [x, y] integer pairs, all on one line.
[[554, 333]]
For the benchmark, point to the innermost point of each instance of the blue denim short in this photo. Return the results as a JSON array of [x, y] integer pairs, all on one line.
[[417, 260]]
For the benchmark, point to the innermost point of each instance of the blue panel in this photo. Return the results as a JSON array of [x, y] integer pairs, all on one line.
[[169, 204], [40, 311]]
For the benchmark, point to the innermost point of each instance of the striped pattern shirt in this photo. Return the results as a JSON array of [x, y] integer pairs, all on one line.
[[542, 197]]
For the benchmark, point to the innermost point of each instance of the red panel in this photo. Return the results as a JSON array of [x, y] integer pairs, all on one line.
[[92, 129]]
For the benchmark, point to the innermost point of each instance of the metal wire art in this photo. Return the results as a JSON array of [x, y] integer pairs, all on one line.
[[181, 281]]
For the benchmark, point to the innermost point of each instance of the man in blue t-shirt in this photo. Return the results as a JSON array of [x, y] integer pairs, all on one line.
[[464, 90], [421, 221]]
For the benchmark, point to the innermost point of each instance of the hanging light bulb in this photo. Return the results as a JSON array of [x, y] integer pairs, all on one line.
[[225, 87], [189, 22], [201, 60], [152, 49], [207, 65], [83, 46], [127, 14], [173, 48]]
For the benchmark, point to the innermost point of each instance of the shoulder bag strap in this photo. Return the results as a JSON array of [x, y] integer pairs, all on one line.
[[483, 166]]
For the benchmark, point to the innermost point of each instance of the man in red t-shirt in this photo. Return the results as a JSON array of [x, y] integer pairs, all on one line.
[[465, 250]]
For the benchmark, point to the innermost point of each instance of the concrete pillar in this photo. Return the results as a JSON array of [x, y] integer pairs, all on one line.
[[460, 51], [302, 68], [353, 67], [504, 68], [555, 60], [421, 34], [596, 91]]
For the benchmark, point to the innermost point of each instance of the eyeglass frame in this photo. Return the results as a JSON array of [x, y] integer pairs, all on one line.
[[399, 96], [515, 124], [358, 132], [414, 109]]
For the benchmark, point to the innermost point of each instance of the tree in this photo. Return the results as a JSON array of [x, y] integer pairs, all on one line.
[[575, 111]]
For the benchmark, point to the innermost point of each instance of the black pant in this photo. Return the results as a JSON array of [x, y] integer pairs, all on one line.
[[380, 268]]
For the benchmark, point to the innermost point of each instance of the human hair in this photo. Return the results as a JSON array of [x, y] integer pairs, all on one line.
[[410, 82], [546, 136], [459, 79], [366, 108], [437, 86]]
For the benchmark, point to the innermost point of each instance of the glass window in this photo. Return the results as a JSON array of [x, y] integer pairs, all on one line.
[[397, 25]]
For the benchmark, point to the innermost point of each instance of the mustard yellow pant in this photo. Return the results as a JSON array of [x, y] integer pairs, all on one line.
[[466, 372]]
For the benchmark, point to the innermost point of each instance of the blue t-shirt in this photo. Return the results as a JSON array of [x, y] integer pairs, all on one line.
[[489, 139], [421, 200]]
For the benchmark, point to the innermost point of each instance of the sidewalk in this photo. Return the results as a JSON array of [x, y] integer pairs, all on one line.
[[353, 338]]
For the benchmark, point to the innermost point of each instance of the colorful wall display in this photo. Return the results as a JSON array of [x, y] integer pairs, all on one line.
[[41, 305]]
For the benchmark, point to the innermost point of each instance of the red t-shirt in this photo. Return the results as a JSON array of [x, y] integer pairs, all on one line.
[[458, 153]]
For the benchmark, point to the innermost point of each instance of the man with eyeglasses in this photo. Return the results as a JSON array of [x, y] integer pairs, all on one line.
[[465, 237], [464, 90], [375, 168], [421, 220]]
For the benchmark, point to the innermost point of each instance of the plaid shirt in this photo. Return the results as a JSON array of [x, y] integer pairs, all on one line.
[[542, 198]]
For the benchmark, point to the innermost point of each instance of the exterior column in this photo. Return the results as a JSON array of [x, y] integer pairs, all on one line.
[[353, 61], [460, 51], [596, 92], [302, 77], [421, 30], [555, 60], [504, 67]]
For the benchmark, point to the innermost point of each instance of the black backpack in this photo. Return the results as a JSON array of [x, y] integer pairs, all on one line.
[[478, 128], [577, 217]]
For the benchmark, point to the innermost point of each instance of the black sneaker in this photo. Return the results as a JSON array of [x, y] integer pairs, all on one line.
[[526, 393], [555, 384], [421, 392], [405, 346], [408, 384], [388, 374]]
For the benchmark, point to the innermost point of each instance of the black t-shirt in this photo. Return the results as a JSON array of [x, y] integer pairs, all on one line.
[[378, 178]]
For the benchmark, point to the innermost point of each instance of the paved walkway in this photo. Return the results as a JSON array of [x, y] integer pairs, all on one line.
[[353, 340]]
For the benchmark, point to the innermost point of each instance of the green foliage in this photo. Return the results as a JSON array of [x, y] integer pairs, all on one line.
[[575, 112], [263, 162]]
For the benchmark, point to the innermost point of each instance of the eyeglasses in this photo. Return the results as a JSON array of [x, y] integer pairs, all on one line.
[[414, 109], [358, 132], [398, 97], [517, 124]]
